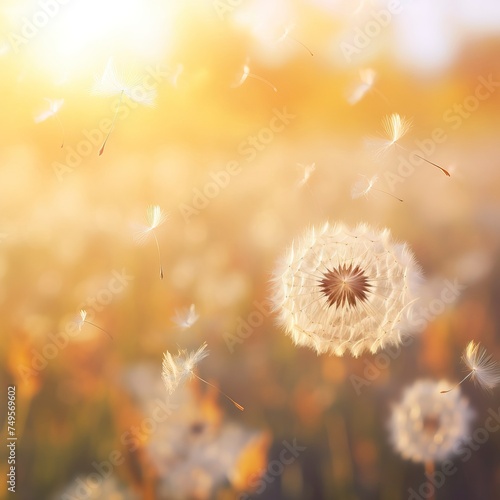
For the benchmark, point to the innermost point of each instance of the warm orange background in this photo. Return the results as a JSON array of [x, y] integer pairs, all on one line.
[[62, 236]]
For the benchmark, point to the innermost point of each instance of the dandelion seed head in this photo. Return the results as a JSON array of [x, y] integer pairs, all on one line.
[[427, 427], [339, 289], [485, 371], [176, 369]]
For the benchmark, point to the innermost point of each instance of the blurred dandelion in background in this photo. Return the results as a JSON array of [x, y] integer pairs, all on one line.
[[197, 449], [341, 289], [425, 427]]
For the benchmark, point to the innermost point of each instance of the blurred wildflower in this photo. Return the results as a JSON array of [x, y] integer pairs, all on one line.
[[427, 427], [155, 217], [339, 289], [483, 370], [186, 318], [364, 185]]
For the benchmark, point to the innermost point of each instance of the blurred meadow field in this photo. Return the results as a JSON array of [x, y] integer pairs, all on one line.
[[246, 122]]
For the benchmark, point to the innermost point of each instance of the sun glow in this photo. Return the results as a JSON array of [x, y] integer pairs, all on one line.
[[64, 37]]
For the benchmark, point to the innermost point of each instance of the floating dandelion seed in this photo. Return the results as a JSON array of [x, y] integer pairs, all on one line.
[[54, 106], [83, 319], [110, 83], [365, 185], [174, 78], [339, 289], [307, 171], [395, 127], [186, 318], [427, 428], [246, 74], [286, 35], [177, 369], [155, 218], [367, 77], [483, 369]]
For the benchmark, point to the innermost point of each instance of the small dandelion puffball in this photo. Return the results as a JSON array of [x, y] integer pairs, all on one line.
[[426, 426], [339, 289]]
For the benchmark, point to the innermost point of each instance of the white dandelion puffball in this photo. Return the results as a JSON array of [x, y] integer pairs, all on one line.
[[427, 426], [339, 289]]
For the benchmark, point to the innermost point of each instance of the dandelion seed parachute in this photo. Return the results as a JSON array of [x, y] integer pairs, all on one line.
[[483, 369], [427, 427], [340, 290]]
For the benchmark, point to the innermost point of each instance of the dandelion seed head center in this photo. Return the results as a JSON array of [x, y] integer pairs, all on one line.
[[345, 285], [431, 424]]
